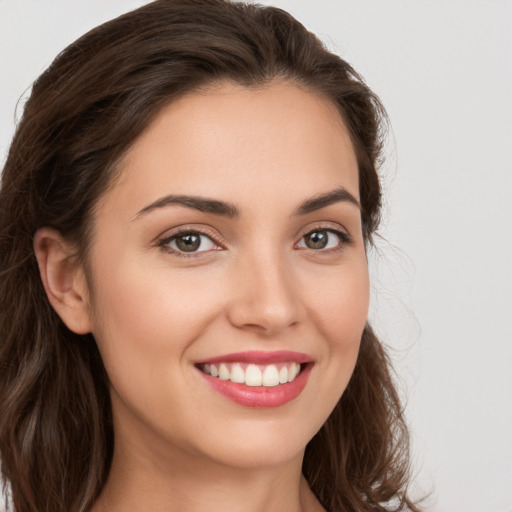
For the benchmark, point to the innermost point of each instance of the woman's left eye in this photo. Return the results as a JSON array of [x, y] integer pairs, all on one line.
[[323, 239], [189, 242]]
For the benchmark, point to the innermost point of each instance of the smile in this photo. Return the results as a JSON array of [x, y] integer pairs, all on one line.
[[258, 379], [252, 374]]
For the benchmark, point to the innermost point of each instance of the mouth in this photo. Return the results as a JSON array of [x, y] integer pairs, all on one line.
[[253, 375], [258, 379]]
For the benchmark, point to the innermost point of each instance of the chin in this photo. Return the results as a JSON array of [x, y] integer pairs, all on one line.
[[265, 443]]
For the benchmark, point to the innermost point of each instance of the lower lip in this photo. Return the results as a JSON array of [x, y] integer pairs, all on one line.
[[260, 396]]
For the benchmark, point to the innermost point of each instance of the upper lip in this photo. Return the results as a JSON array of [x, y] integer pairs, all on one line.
[[260, 357]]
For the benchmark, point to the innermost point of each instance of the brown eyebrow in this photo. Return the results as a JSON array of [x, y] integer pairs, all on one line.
[[225, 209], [321, 201], [197, 203]]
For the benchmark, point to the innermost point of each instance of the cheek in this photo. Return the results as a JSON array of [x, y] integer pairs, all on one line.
[[338, 309], [146, 314], [147, 320], [341, 307]]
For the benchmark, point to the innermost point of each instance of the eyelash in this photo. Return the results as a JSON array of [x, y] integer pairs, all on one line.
[[163, 243], [344, 237], [167, 239]]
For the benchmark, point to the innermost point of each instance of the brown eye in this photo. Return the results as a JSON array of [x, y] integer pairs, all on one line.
[[320, 239], [316, 240], [190, 241]]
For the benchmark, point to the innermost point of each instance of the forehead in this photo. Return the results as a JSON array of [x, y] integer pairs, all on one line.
[[223, 139]]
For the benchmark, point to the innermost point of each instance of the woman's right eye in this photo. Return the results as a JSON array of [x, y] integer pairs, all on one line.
[[189, 242]]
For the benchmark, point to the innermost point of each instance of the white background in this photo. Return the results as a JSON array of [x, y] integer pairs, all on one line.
[[442, 282]]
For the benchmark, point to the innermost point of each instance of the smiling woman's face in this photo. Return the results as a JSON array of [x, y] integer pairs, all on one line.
[[231, 244]]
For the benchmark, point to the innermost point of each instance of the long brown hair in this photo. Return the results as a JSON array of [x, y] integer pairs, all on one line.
[[84, 112]]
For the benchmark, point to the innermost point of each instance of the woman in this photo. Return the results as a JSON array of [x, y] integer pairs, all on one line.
[[185, 212]]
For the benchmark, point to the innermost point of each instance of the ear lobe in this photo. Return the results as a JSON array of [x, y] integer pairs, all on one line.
[[63, 279]]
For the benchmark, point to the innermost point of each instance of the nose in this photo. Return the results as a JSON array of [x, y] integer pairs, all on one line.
[[264, 298]]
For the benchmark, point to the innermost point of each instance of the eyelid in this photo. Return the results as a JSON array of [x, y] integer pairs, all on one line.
[[337, 229], [165, 238]]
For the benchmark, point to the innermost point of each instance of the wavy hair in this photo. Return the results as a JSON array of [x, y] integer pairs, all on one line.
[[84, 112]]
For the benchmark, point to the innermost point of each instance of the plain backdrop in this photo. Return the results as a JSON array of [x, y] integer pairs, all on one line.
[[442, 276]]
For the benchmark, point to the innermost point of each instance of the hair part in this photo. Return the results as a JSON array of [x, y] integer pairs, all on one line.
[[85, 111]]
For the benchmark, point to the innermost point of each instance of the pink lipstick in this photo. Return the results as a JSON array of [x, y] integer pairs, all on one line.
[[258, 378]]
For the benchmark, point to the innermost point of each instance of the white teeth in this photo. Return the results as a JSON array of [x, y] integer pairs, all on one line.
[[270, 376], [294, 371], [237, 374], [223, 372], [254, 375], [283, 375]]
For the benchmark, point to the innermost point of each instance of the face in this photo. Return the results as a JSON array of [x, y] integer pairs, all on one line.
[[230, 278]]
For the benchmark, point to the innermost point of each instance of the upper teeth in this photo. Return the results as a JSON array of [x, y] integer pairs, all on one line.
[[252, 374]]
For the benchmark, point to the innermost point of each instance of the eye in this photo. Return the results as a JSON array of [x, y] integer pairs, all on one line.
[[189, 242], [324, 239]]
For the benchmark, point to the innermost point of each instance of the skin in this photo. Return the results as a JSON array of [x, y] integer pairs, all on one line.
[[180, 445]]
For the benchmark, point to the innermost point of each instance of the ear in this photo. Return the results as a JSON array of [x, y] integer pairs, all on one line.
[[63, 279]]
